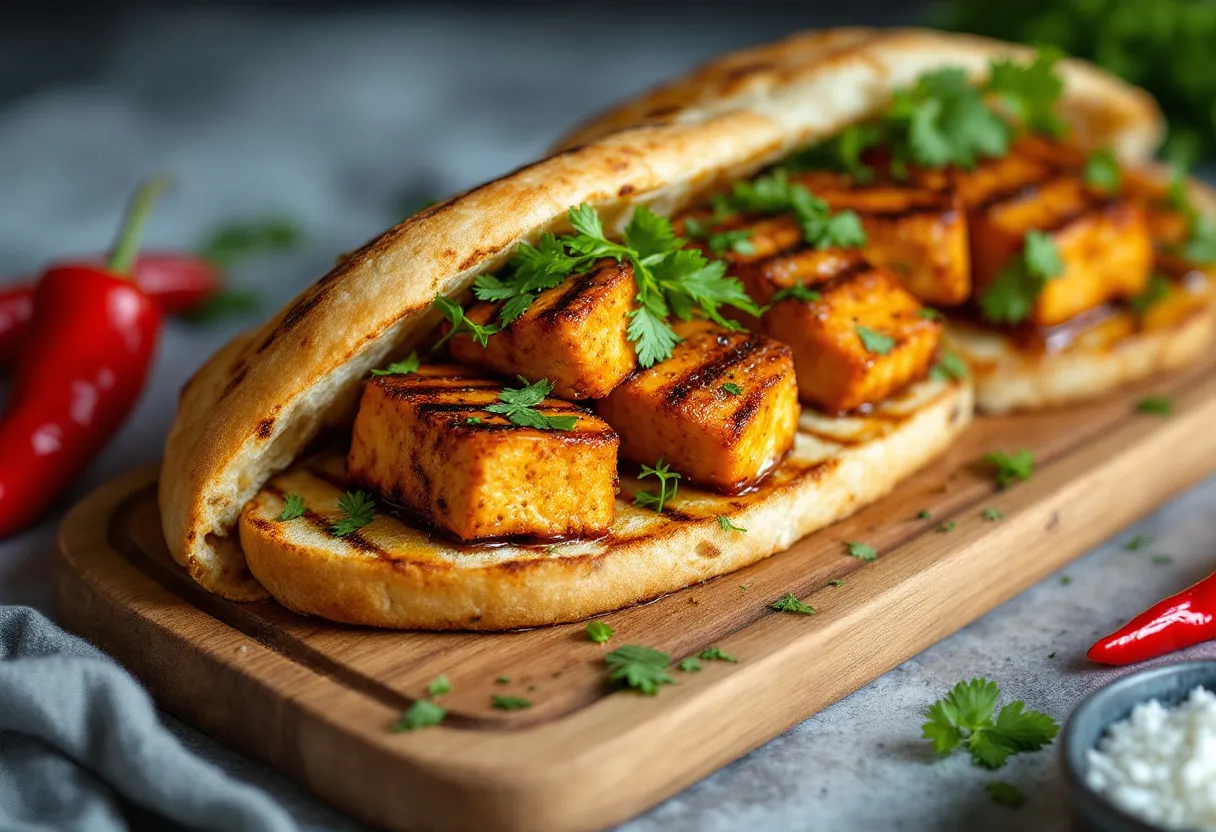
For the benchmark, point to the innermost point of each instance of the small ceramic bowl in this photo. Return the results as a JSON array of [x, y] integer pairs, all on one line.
[[1101, 709]]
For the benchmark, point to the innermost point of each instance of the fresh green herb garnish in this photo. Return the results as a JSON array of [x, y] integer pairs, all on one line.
[[1156, 405], [473, 420], [403, 367], [421, 714], [648, 499], [518, 405], [715, 654], [456, 317], [598, 631], [1011, 297], [1162, 560], [1065, 580], [293, 507], [1137, 542], [875, 342], [949, 367], [738, 240], [1102, 171], [964, 718], [690, 665], [1019, 465], [943, 528], [227, 303], [510, 703], [842, 152], [798, 291], [992, 515], [1156, 290], [234, 241], [789, 603], [1006, 794], [359, 508], [727, 526], [861, 551], [924, 514], [1030, 92], [929, 313], [503, 680], [438, 686], [773, 193], [732, 389], [641, 668], [837, 582]]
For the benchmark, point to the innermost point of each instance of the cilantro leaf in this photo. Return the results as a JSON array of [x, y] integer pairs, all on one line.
[[456, 317], [653, 337], [293, 507], [421, 714], [797, 292], [1102, 171], [359, 508], [945, 528], [992, 515], [1030, 92], [440, 685], [1019, 465], [229, 243], [1011, 297], [1025, 730], [732, 389], [842, 152], [1156, 405], [964, 717], [949, 367], [510, 703], [726, 525], [789, 603], [662, 471], [598, 631], [641, 668], [690, 665], [1137, 542], [1006, 794], [715, 654], [943, 120], [773, 193], [518, 405], [1157, 290], [875, 343], [403, 367], [861, 551]]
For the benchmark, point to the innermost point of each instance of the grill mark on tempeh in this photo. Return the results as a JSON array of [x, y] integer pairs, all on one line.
[[708, 371]]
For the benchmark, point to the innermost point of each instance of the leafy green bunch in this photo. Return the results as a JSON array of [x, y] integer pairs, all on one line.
[[964, 718], [672, 280]]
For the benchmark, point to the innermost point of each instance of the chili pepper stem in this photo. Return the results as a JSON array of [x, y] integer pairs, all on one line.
[[122, 256]]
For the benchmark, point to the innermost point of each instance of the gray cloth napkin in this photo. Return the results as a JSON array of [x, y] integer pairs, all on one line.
[[82, 747]]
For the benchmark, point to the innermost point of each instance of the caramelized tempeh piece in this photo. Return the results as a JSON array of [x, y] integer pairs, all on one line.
[[572, 334], [1102, 240], [723, 410], [836, 370], [918, 233], [414, 443]]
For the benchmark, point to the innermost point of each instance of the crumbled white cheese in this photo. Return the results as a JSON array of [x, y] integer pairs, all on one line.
[[1160, 763]]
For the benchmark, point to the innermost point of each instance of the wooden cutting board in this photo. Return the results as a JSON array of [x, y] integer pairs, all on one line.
[[316, 700]]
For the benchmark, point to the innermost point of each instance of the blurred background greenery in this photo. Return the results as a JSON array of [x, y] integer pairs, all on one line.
[[1165, 46]]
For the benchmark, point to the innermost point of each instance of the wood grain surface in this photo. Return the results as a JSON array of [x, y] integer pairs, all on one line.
[[316, 699]]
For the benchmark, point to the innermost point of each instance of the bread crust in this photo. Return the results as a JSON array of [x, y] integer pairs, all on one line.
[[253, 407]]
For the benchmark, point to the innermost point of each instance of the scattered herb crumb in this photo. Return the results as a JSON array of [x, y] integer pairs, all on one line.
[[403, 367], [861, 551], [875, 343], [992, 515], [439, 686], [732, 389], [510, 703], [1137, 542], [690, 665], [1162, 560], [1065, 580], [837, 582], [503, 680], [1052, 654], [745, 586], [790, 603], [642, 668], [359, 509], [1006, 794], [473, 420], [421, 714], [1019, 465], [293, 507], [1155, 405], [715, 654], [943, 528], [924, 514], [598, 631], [727, 526]]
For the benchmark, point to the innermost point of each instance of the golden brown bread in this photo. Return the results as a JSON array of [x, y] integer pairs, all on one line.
[[253, 407]]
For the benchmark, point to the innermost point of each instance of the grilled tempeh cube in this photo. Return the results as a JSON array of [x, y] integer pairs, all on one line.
[[918, 233], [855, 300], [1103, 242], [722, 411], [572, 334], [425, 441]]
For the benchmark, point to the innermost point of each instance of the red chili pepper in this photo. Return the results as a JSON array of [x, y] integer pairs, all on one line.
[[178, 282], [1177, 622], [79, 373]]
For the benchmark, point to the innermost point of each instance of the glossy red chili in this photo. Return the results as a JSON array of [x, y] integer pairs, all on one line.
[[1177, 622], [79, 373], [179, 282]]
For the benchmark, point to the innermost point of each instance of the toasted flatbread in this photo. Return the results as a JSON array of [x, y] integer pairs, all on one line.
[[250, 412]]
